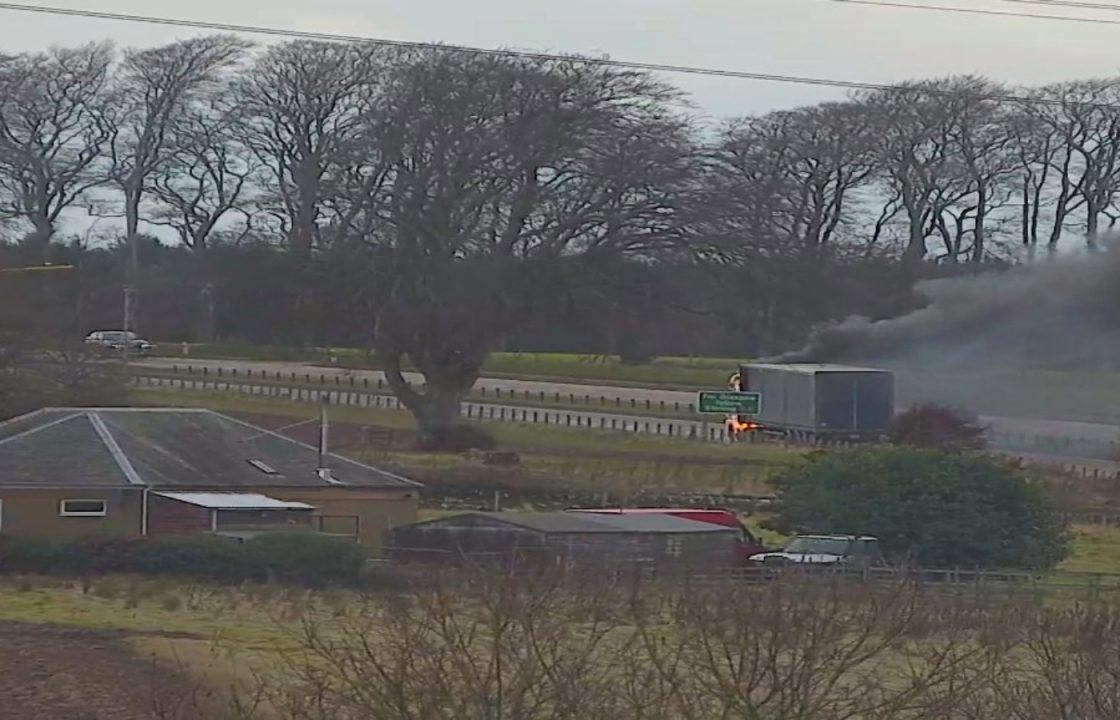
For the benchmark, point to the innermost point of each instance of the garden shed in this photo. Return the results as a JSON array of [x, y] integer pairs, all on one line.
[[568, 540]]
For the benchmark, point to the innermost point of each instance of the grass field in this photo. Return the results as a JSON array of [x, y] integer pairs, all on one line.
[[1096, 548], [682, 372]]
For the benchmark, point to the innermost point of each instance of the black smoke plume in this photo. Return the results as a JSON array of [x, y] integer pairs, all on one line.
[[1059, 313]]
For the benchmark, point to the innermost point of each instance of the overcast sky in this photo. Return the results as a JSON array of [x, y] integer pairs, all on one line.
[[823, 38]]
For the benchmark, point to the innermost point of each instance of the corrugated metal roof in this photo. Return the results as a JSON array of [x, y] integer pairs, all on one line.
[[168, 448], [233, 501], [577, 523], [813, 368]]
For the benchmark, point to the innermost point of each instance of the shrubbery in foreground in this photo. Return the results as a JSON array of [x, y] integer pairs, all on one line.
[[297, 558]]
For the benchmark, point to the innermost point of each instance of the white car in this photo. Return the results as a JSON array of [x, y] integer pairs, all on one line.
[[824, 550], [119, 340]]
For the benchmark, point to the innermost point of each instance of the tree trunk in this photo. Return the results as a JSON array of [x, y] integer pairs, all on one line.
[[204, 311], [204, 331], [980, 236], [132, 274], [916, 246], [1092, 227], [38, 241], [436, 409]]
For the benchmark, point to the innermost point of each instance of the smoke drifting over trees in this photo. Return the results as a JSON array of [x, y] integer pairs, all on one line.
[[1060, 313]]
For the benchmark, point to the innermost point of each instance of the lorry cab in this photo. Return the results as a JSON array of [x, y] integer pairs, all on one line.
[[748, 545]]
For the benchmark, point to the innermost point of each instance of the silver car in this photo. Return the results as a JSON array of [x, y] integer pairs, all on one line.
[[119, 340]]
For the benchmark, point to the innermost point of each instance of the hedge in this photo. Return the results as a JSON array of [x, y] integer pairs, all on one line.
[[298, 558]]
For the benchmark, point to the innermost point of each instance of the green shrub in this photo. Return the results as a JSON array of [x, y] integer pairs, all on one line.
[[307, 558], [297, 558], [202, 556], [46, 557], [935, 508]]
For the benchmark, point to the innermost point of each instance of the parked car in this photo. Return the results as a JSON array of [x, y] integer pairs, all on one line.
[[848, 550], [120, 340]]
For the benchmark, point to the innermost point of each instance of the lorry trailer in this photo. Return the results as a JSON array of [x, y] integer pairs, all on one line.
[[808, 402]]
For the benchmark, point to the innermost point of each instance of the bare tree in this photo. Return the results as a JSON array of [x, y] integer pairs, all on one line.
[[1068, 145], [979, 132], [917, 161], [153, 89], [505, 179], [818, 157], [306, 104], [204, 185], [52, 135]]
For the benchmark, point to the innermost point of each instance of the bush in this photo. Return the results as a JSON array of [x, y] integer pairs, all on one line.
[[201, 556], [306, 558], [298, 558], [939, 509], [937, 426]]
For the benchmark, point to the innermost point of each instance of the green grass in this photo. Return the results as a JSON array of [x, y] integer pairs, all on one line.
[[682, 372], [1096, 548], [673, 372], [140, 605]]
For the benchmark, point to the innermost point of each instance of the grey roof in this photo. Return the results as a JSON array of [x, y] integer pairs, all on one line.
[[813, 368], [165, 448], [577, 523], [233, 501]]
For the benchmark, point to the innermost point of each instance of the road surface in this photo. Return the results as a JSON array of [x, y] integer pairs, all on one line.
[[1060, 438]]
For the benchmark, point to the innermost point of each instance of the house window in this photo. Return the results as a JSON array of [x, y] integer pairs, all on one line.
[[82, 508]]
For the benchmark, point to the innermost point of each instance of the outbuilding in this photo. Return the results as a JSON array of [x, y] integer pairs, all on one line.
[[71, 472], [568, 540]]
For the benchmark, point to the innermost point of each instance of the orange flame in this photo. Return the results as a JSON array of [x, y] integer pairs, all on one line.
[[735, 425]]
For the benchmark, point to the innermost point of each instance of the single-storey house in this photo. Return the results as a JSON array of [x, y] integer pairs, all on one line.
[[566, 539], [73, 472]]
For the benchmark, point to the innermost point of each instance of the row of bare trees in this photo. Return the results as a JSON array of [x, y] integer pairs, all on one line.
[[521, 649], [453, 191]]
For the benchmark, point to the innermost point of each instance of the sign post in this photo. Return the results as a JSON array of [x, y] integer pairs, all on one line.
[[728, 402]]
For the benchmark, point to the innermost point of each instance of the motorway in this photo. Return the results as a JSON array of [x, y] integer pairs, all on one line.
[[1014, 433]]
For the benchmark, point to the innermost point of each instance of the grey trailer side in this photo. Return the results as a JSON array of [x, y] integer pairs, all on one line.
[[810, 401]]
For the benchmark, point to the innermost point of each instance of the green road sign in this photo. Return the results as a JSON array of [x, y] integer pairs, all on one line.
[[728, 402]]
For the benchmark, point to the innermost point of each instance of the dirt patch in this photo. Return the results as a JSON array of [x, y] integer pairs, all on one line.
[[70, 674]]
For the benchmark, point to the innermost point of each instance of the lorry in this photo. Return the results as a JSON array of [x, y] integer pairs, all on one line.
[[810, 402], [748, 545]]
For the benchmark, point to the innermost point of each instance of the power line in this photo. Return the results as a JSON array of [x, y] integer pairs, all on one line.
[[977, 11], [1069, 4], [333, 37], [531, 55]]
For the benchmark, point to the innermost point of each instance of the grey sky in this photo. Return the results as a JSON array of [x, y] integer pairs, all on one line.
[[825, 38]]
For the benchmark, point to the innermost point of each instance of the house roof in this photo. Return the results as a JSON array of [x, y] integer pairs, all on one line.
[[580, 523], [165, 448], [233, 501]]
